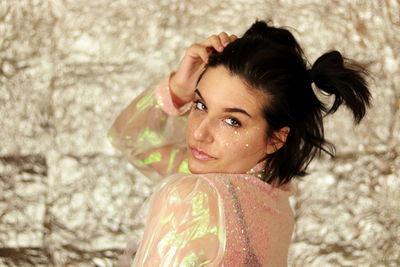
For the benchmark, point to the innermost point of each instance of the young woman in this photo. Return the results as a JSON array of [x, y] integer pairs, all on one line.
[[252, 123]]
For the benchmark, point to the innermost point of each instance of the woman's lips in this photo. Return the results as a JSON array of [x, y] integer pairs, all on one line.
[[200, 155]]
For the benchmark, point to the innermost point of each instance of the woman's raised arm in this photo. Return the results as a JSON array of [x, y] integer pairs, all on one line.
[[150, 131], [184, 81]]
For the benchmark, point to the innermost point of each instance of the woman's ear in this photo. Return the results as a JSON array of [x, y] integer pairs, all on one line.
[[278, 140]]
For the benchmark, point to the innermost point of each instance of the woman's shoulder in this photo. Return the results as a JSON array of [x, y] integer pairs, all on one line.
[[248, 182], [184, 186], [182, 180], [226, 182], [221, 190], [186, 216]]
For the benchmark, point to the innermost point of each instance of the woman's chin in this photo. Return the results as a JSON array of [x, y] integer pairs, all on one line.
[[200, 167]]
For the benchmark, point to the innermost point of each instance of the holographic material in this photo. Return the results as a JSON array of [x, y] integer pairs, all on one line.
[[185, 226], [217, 220], [199, 220], [171, 160], [153, 157], [184, 167], [144, 102], [69, 67], [151, 135]]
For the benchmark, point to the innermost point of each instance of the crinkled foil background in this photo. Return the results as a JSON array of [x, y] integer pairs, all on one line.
[[67, 68]]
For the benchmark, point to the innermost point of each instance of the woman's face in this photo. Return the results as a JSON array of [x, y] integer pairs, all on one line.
[[226, 129]]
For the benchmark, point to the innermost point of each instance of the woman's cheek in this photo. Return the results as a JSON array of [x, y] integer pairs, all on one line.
[[245, 143], [193, 120], [228, 143], [236, 141]]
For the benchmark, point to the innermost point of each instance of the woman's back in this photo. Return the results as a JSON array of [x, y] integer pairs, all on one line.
[[217, 220], [259, 220]]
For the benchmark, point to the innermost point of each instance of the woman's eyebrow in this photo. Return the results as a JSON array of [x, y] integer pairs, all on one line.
[[237, 110], [198, 93], [231, 110]]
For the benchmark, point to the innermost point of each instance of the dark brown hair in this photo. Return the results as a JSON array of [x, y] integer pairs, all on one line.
[[270, 59]]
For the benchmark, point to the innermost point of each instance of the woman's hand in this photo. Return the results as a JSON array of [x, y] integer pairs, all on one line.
[[183, 82]]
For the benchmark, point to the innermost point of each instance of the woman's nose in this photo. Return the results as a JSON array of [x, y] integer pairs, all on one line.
[[203, 132]]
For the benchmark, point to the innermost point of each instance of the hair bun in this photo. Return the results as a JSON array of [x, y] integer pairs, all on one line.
[[330, 58], [310, 74], [327, 64], [343, 78], [271, 35], [259, 30]]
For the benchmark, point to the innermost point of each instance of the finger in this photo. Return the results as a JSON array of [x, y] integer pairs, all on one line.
[[223, 36], [215, 42], [198, 50], [232, 37]]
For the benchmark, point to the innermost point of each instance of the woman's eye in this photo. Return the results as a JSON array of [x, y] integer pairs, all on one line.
[[233, 122], [198, 105]]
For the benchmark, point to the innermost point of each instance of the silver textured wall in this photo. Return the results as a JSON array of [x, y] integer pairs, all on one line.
[[67, 68]]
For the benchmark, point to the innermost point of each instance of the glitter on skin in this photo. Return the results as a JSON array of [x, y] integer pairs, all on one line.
[[198, 219], [227, 115]]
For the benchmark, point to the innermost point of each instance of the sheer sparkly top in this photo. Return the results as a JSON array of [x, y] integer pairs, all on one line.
[[216, 219]]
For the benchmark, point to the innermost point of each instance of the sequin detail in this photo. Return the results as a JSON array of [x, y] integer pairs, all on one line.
[[251, 258], [197, 220]]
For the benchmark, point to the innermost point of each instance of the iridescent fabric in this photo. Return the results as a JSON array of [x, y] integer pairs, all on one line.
[[151, 139], [185, 225], [199, 220]]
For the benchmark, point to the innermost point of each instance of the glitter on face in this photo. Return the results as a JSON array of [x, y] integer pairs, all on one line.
[[211, 219], [228, 126]]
